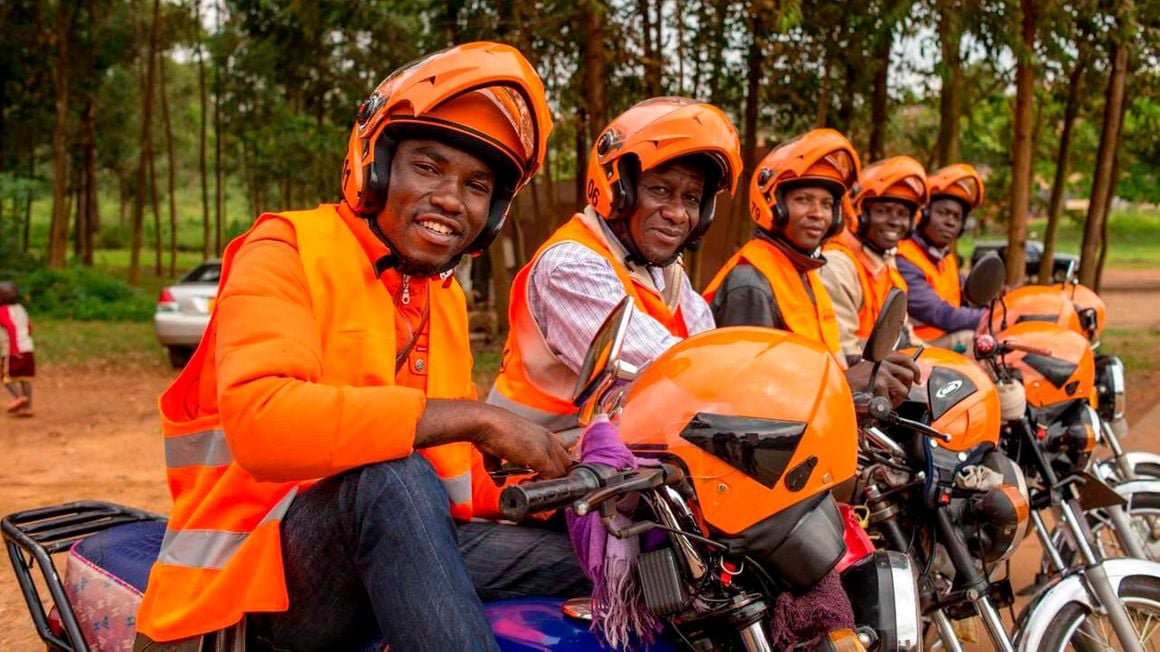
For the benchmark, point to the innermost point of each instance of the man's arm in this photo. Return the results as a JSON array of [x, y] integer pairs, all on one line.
[[927, 307], [282, 423], [840, 278], [571, 291], [745, 299]]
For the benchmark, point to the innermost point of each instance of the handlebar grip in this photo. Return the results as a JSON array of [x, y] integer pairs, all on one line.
[[867, 406], [517, 501]]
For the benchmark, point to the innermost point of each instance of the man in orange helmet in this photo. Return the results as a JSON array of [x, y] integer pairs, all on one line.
[[653, 176], [860, 269], [928, 263], [795, 201], [325, 434]]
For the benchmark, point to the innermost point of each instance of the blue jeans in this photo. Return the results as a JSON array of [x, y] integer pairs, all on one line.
[[373, 555]]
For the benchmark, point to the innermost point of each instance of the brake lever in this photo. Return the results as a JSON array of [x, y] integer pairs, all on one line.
[[647, 478], [920, 428]]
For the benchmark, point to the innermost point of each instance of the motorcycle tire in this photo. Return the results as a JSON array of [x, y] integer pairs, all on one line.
[[1141, 596], [1142, 508]]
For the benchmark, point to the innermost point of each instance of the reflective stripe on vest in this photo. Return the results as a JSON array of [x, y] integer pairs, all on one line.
[[943, 278], [813, 318], [874, 287], [212, 548], [532, 381], [203, 448]]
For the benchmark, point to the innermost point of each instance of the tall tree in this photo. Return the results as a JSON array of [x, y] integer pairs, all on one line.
[[58, 231], [1102, 180], [203, 169], [593, 109], [171, 161], [1021, 146], [951, 73], [1059, 185], [146, 144]]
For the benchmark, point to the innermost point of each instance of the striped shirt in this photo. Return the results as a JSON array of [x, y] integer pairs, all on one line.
[[572, 289]]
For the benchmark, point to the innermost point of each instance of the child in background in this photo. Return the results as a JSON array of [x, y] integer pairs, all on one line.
[[17, 365]]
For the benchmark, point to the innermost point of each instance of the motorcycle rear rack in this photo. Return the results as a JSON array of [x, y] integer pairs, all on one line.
[[33, 536]]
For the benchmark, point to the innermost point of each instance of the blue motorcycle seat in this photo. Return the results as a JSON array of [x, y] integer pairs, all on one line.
[[126, 552]]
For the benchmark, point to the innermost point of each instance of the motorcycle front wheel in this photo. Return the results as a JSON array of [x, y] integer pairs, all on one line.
[[1076, 627]]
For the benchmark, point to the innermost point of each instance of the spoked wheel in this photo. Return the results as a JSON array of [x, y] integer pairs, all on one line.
[[1143, 515], [1077, 628]]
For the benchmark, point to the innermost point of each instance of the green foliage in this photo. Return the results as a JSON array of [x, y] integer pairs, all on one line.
[[83, 294], [84, 343]]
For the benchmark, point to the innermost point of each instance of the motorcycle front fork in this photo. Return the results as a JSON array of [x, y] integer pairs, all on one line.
[[1095, 577]]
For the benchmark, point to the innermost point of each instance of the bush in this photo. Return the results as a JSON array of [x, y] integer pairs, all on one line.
[[83, 293]]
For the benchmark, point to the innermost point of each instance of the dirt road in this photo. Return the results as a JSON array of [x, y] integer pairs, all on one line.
[[96, 436]]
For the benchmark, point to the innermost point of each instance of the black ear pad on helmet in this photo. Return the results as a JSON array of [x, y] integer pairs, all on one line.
[[623, 200], [374, 193], [713, 175]]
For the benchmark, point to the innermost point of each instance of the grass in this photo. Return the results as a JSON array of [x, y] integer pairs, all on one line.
[[1134, 236], [1138, 348], [82, 343]]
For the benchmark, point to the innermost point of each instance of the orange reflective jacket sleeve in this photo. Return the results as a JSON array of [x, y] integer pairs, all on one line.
[[281, 423]]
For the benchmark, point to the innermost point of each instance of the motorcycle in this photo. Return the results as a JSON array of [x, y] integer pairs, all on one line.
[[715, 576], [738, 473]]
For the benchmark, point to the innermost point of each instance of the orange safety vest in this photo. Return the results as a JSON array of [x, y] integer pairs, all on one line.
[[942, 278], [222, 553], [813, 318], [532, 381], [874, 287]]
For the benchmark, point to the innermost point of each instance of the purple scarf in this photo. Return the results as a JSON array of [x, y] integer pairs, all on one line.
[[619, 614]]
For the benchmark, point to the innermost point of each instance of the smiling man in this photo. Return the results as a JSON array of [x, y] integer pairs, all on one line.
[[928, 263], [324, 445], [861, 268], [653, 178]]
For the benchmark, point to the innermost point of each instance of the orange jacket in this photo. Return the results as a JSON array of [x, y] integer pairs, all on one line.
[[532, 381], [294, 381], [874, 286], [811, 317], [943, 278]]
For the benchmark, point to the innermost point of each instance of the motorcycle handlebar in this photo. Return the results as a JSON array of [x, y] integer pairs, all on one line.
[[583, 480], [867, 406]]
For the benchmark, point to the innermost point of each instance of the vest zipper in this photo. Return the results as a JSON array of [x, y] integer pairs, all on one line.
[[406, 298]]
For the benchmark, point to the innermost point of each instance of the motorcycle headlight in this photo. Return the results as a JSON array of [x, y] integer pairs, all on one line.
[[1110, 387], [884, 594]]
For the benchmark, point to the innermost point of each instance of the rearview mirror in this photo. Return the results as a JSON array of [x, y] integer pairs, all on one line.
[[602, 364], [985, 280], [887, 328]]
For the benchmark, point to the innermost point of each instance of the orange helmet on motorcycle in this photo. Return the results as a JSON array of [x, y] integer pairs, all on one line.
[[1041, 303], [822, 157], [761, 453], [655, 132], [1067, 374], [960, 182], [899, 178], [484, 98], [960, 396], [1092, 311]]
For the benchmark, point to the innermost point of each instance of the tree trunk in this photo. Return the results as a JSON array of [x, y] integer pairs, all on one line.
[[950, 96], [146, 153], [592, 91], [753, 78], [650, 50], [172, 165], [203, 168], [1059, 185], [1021, 146], [58, 231], [1102, 181], [26, 236], [1105, 239], [80, 222], [158, 235], [218, 232], [878, 116], [88, 199], [499, 284]]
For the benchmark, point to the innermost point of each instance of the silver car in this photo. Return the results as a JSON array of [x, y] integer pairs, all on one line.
[[183, 311]]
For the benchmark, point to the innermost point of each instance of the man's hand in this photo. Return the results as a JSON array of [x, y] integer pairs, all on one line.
[[494, 431], [894, 380]]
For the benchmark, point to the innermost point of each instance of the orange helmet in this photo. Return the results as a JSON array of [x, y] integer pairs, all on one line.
[[960, 182], [900, 178], [1042, 303], [1093, 313], [652, 133], [961, 397], [762, 454], [821, 157], [482, 97], [1067, 374]]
